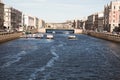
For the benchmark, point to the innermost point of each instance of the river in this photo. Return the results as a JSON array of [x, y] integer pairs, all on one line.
[[85, 58]]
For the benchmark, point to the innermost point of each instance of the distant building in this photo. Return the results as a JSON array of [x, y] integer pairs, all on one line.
[[86, 25], [69, 23], [91, 22], [95, 25], [41, 24], [76, 24], [29, 22], [12, 18], [36, 22], [100, 21], [1, 15], [112, 15], [83, 23]]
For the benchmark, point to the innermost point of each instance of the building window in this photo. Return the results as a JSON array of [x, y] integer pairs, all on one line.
[[114, 7], [113, 20], [113, 24]]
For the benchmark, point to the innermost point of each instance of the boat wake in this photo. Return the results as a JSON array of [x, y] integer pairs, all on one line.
[[50, 63], [14, 59]]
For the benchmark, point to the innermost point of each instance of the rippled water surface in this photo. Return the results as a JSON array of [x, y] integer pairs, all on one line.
[[85, 58]]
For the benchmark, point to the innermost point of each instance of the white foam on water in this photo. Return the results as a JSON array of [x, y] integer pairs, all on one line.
[[46, 40], [117, 55], [11, 62], [49, 64], [16, 58], [22, 53], [33, 75]]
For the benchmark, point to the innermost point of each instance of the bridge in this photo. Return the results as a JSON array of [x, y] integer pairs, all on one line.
[[75, 31], [65, 27]]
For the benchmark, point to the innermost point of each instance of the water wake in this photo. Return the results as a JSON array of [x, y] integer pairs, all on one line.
[[15, 58], [49, 64]]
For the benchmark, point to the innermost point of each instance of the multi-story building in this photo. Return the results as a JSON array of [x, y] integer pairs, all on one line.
[[90, 22], [12, 18], [1, 15], [36, 22], [95, 25], [41, 24], [100, 21], [83, 23], [7, 17], [76, 24], [112, 15], [30, 22]]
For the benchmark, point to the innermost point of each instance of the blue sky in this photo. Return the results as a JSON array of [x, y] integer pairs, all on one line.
[[58, 10]]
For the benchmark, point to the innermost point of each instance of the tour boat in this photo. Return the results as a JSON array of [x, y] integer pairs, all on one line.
[[49, 36], [71, 37]]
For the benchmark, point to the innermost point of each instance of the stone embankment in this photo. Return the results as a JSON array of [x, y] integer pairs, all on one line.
[[4, 37], [106, 36]]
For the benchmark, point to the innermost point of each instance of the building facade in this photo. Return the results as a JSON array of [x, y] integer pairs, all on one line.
[[41, 24], [30, 22], [83, 23], [77, 24], [112, 16], [90, 22], [95, 25], [36, 22], [100, 22], [1, 15], [12, 18]]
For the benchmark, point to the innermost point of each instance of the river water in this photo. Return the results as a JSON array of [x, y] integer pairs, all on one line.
[[85, 58]]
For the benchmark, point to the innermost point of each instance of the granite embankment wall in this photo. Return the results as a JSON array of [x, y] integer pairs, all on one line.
[[106, 36], [4, 37], [78, 31]]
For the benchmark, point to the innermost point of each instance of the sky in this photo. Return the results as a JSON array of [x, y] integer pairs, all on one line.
[[58, 10]]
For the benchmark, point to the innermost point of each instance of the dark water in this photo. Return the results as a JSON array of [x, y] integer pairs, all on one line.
[[85, 58]]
